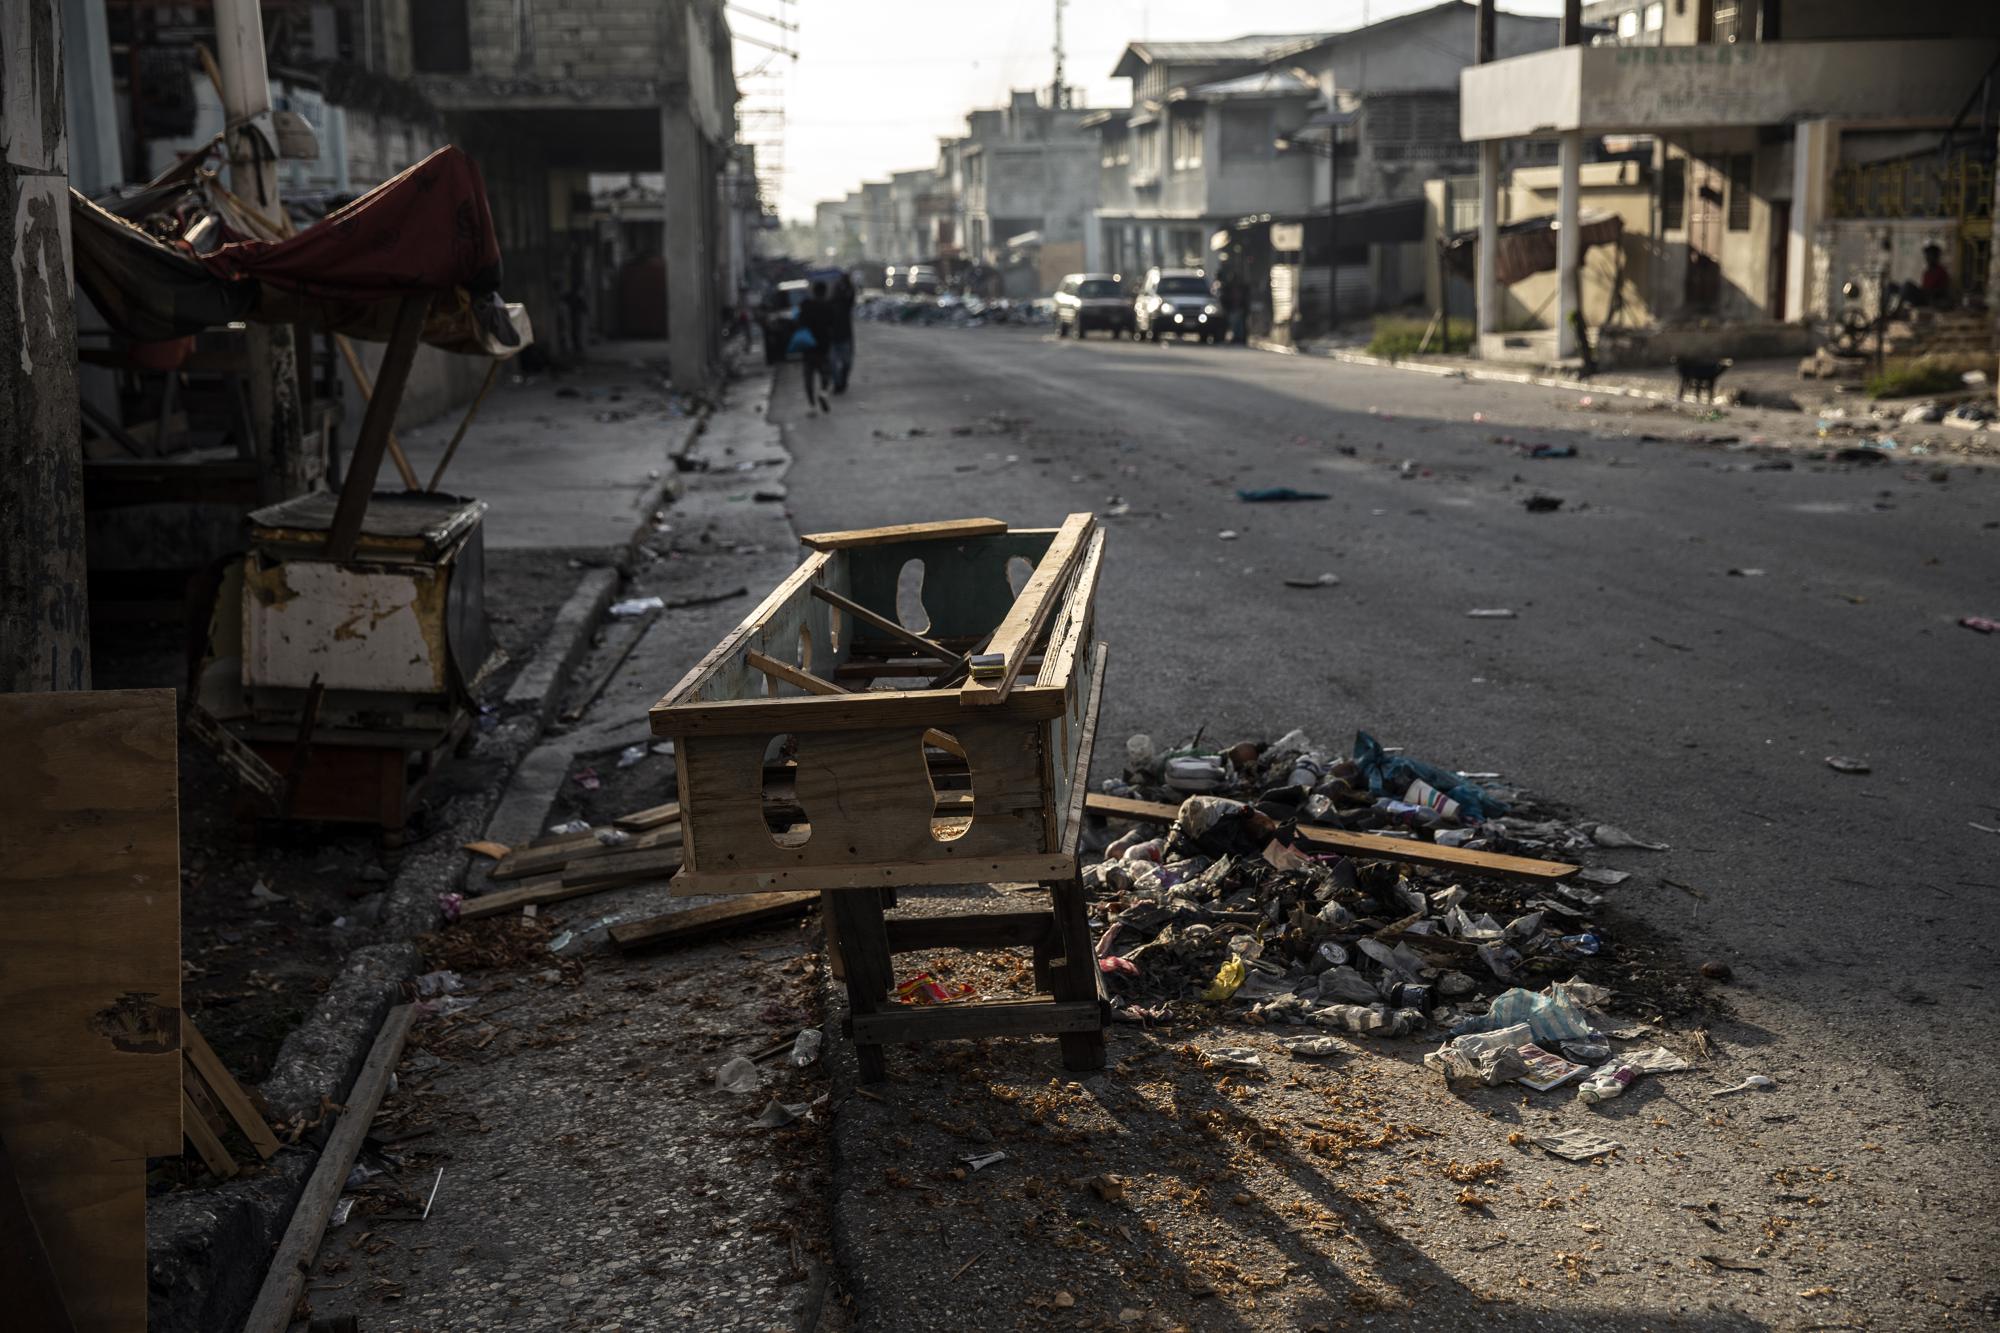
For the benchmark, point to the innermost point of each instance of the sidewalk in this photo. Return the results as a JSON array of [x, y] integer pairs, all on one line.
[[592, 1175]]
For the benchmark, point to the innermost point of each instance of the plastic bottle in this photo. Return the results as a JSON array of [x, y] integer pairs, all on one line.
[[805, 1047], [1606, 1082], [1584, 944]]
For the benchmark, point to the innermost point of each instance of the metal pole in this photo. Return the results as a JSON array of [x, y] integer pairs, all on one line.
[[273, 372]]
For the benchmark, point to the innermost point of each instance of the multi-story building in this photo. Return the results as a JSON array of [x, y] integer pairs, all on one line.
[[1028, 167], [1795, 144], [1333, 134]]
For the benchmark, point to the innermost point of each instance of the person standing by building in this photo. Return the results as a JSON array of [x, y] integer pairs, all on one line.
[[842, 351]]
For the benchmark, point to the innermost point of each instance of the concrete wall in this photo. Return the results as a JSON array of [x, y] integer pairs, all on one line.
[[44, 622]]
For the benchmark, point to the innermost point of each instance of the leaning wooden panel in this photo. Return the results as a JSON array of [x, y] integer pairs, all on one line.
[[90, 1058], [790, 780]]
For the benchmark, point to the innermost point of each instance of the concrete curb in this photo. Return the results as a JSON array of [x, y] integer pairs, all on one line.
[[537, 687], [1469, 372]]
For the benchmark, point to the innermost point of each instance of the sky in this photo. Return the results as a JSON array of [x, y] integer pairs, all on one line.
[[878, 82]]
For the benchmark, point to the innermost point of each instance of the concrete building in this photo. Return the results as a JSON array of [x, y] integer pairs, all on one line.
[[545, 93], [1028, 167], [1300, 129], [1795, 145]]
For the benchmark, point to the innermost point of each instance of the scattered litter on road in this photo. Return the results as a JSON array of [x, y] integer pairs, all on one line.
[[632, 754], [1226, 535], [806, 1047], [1278, 494], [1323, 581], [636, 606], [1577, 1145], [777, 1113], [1611, 1079], [494, 850], [1610, 835], [1842, 764], [1746, 573], [738, 1074], [1542, 504], [923, 988], [1315, 1048], [1717, 971], [1980, 624], [1239, 1058], [1756, 1082], [587, 779], [1490, 613]]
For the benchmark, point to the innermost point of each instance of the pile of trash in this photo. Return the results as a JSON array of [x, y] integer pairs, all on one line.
[[1233, 905]]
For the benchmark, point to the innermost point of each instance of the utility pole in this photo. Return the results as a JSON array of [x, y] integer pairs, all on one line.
[[286, 465], [1059, 98], [44, 615]]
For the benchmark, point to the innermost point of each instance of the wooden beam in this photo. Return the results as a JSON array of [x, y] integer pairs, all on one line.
[[226, 1090], [360, 374], [213, 1155], [538, 893], [1016, 637], [1020, 868], [972, 930], [887, 626], [1002, 1018], [560, 856], [286, 1280], [625, 867], [1370, 846], [710, 918], [940, 530], [847, 712], [649, 818], [359, 485]]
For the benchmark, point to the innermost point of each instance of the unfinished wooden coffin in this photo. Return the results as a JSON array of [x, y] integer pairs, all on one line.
[[825, 743]]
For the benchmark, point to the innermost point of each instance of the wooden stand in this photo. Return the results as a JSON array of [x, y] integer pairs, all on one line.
[[802, 766]]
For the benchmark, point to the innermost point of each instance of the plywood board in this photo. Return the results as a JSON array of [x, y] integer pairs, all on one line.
[[90, 1059]]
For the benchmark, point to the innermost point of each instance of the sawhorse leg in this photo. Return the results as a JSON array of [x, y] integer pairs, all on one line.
[[1074, 976], [856, 916]]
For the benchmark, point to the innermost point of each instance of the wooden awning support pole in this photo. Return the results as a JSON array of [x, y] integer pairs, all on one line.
[[360, 374], [492, 373], [373, 441]]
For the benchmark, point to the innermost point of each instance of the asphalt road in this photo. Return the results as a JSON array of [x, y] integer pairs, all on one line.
[[1639, 683]]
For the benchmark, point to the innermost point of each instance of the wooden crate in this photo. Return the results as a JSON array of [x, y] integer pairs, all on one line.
[[822, 745]]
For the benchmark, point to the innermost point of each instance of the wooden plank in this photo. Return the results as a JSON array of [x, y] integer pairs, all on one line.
[[361, 382], [945, 1022], [358, 487], [847, 712], [1032, 610], [90, 1068], [887, 626], [970, 930], [1071, 634], [693, 922], [559, 857], [937, 530], [286, 1280], [687, 687], [531, 893], [650, 818], [690, 883], [213, 1155], [226, 1090], [625, 867], [1371, 846], [1079, 772]]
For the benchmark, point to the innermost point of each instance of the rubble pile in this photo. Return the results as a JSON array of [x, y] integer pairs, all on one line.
[[1235, 905]]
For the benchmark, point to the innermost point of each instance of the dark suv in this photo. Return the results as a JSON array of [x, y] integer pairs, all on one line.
[[1086, 301]]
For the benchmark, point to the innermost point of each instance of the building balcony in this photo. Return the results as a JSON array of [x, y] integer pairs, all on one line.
[[1648, 89]]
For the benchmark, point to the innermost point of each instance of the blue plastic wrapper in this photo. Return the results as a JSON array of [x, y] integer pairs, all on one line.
[[1552, 1016], [1391, 775]]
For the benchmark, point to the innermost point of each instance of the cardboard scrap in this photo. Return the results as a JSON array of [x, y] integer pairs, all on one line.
[[1577, 1145]]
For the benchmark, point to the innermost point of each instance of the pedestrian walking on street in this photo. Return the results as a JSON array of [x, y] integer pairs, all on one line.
[[842, 351], [816, 321]]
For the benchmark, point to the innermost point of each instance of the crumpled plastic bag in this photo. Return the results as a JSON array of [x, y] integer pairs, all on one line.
[[1491, 1058], [1555, 1015], [738, 1074], [1343, 985], [1391, 775], [1228, 978], [1215, 826]]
